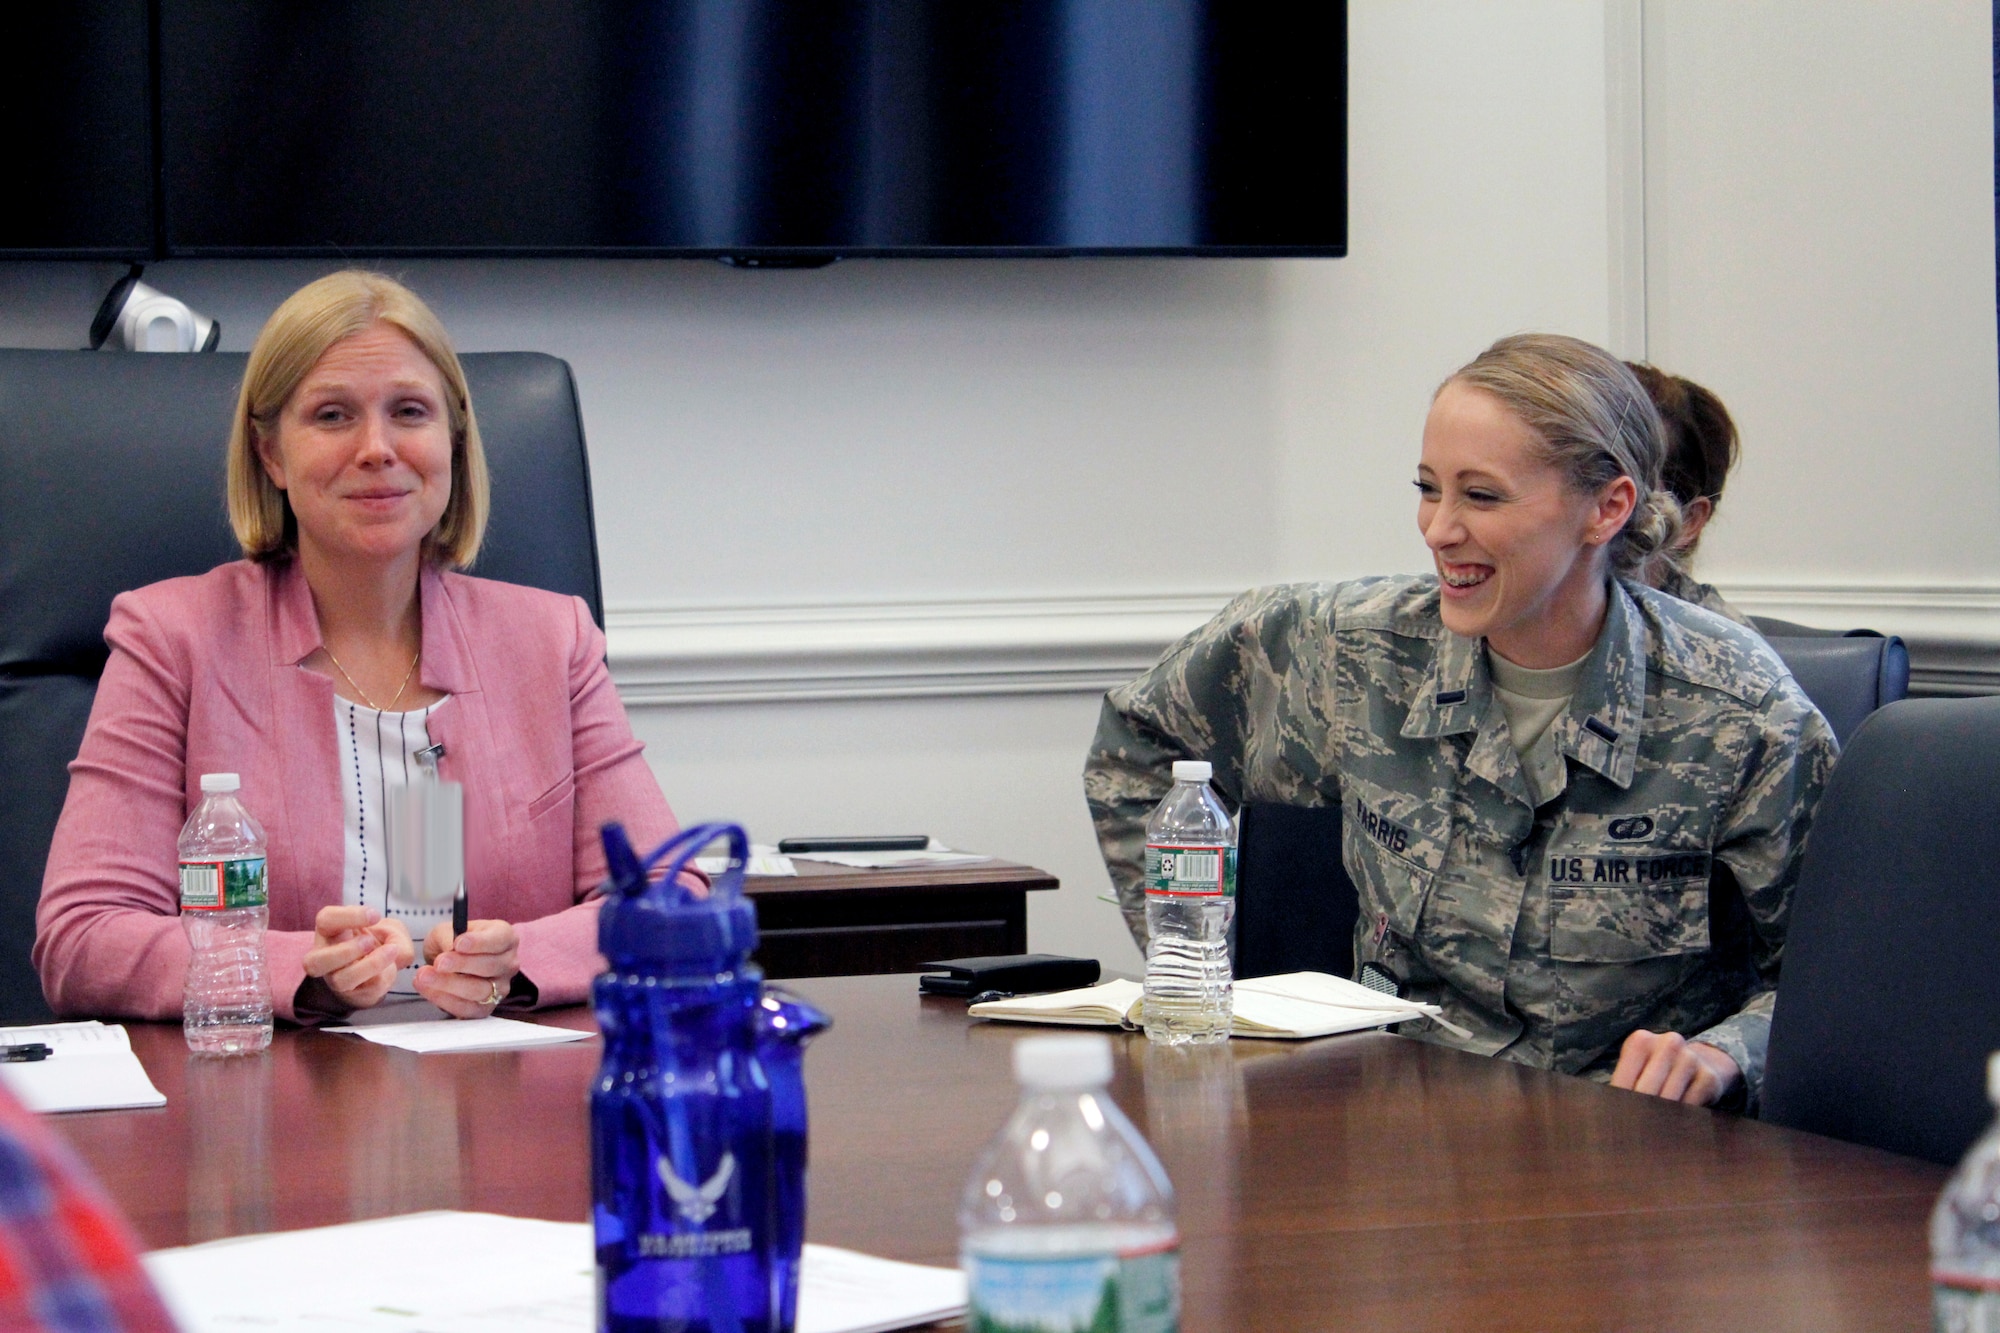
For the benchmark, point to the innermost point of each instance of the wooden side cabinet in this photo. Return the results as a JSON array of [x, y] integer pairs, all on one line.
[[833, 921]]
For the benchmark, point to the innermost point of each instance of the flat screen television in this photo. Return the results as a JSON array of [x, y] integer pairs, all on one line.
[[76, 117], [766, 131]]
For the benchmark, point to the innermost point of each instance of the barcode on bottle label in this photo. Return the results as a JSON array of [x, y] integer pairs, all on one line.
[[214, 886], [1190, 872]]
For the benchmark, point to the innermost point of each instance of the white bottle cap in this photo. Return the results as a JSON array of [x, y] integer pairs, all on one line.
[[220, 782], [1993, 1078], [1082, 1061], [1193, 770]]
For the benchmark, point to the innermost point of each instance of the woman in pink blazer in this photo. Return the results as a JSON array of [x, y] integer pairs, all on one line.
[[356, 485]]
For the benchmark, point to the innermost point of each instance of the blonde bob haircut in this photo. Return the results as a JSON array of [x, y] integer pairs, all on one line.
[[1595, 423], [297, 335]]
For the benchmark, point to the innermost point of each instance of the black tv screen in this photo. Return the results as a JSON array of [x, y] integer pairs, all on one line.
[[76, 118], [759, 129]]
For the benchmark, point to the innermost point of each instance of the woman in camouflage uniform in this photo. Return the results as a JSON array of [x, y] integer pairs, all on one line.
[[1573, 806]]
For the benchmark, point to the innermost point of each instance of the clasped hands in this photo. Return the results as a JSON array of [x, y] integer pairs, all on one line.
[[357, 953], [1666, 1064]]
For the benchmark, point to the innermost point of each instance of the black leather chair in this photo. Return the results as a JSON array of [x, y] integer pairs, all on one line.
[[1889, 1001], [1295, 905], [1847, 674], [111, 478]]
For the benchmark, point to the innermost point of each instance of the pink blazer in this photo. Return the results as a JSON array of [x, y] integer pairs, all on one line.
[[204, 678]]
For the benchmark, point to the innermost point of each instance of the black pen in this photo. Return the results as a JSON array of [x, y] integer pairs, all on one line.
[[17, 1055], [458, 922]]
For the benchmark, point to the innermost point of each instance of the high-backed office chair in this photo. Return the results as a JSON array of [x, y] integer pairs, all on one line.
[[111, 472], [1889, 1001], [1295, 905], [1847, 675]]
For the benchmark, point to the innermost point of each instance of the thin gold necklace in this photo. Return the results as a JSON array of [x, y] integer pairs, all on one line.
[[363, 693]]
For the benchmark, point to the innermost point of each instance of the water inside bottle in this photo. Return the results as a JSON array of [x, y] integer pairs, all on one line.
[[1189, 996], [227, 1010], [228, 1032]]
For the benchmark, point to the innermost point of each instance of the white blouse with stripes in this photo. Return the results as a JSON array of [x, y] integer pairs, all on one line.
[[378, 754]]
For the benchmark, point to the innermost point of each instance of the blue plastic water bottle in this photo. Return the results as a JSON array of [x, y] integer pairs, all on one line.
[[698, 1117]]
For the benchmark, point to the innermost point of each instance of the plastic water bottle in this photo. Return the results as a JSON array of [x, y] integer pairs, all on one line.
[[1068, 1220], [1190, 896], [227, 1009], [1965, 1235]]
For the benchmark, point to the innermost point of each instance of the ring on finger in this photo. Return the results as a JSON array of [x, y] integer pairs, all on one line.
[[493, 993]]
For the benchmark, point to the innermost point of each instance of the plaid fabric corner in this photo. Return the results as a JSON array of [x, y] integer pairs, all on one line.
[[67, 1261]]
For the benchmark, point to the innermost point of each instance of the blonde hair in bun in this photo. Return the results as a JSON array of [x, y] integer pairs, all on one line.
[[1596, 423]]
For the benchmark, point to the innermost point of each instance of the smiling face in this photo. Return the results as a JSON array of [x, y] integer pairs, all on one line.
[[1520, 554], [363, 450]]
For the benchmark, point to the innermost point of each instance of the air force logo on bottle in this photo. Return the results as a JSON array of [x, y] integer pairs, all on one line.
[[697, 1203], [1631, 828]]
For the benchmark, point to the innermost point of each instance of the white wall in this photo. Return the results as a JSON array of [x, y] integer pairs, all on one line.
[[1478, 188], [876, 536], [1819, 250]]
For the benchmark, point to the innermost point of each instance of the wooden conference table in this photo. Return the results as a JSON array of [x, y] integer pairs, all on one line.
[[1361, 1182]]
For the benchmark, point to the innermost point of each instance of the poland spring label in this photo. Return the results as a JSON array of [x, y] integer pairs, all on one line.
[[1964, 1303], [214, 886], [1095, 1293], [1177, 871]]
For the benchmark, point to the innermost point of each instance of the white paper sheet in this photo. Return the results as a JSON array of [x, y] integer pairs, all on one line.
[[464, 1034], [445, 1272], [764, 860], [841, 1291], [93, 1069]]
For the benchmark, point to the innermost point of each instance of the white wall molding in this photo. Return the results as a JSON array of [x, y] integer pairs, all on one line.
[[1953, 630], [761, 654], [664, 657]]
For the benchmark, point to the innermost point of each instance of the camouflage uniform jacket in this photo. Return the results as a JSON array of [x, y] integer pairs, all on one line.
[[1551, 933], [1677, 582]]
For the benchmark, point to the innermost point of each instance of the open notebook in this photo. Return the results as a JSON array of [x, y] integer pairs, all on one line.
[[92, 1069], [1291, 1007]]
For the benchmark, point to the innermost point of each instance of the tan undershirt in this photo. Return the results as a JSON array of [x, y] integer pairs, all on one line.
[[1532, 699]]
